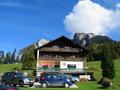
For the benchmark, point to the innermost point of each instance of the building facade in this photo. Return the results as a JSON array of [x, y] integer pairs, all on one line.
[[61, 55]]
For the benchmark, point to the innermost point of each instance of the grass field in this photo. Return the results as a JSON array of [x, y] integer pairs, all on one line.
[[88, 85], [8, 67], [11, 67]]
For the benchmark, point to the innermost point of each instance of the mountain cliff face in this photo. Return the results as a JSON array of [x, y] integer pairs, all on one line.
[[87, 39], [83, 38]]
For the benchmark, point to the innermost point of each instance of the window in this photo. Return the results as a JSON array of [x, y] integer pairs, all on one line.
[[71, 65], [7, 74], [49, 76], [57, 77]]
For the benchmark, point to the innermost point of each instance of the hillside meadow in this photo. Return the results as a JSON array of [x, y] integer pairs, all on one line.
[[8, 67]]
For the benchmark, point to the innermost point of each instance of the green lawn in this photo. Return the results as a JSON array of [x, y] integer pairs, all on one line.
[[90, 85], [82, 86], [8, 67]]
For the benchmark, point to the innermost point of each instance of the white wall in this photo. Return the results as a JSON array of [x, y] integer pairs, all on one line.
[[64, 64]]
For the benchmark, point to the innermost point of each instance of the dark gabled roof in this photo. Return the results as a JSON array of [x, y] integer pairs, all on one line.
[[62, 41]]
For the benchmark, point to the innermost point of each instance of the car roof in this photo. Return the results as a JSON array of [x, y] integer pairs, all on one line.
[[13, 72], [52, 73]]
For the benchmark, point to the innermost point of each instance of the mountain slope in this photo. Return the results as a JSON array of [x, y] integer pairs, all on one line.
[[100, 39]]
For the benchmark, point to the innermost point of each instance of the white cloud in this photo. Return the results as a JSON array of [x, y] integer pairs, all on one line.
[[90, 17]]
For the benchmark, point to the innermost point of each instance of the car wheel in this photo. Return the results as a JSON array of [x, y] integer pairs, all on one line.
[[66, 85], [44, 85], [4, 82], [21, 83], [14, 85], [30, 85]]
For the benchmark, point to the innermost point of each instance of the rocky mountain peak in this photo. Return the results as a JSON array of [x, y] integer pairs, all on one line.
[[83, 38]]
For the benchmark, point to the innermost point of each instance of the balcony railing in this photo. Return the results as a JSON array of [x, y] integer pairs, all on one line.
[[55, 69], [60, 49]]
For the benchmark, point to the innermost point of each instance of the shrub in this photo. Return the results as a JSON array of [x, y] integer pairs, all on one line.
[[106, 83]]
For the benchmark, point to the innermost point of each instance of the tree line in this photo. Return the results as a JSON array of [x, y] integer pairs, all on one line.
[[96, 50], [8, 58]]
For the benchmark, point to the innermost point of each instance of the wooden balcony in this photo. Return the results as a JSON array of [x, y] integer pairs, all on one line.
[[60, 49], [63, 58]]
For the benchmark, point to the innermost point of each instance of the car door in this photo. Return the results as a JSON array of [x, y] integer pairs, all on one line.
[[50, 80], [14, 79], [8, 78], [58, 81]]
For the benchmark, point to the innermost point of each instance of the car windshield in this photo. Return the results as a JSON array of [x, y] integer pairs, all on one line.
[[20, 74], [59, 76], [67, 76]]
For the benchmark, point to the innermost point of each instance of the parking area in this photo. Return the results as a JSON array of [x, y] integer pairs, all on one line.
[[56, 80], [46, 79]]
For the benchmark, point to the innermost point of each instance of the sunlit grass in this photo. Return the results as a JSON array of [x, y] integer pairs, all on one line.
[[8, 67]]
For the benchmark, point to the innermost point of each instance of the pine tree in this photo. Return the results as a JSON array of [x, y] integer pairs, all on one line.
[[2, 57], [107, 64], [13, 57], [8, 58], [28, 58]]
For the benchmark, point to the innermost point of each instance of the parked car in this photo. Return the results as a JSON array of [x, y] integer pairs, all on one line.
[[75, 79], [16, 78], [5, 87], [72, 78], [51, 79]]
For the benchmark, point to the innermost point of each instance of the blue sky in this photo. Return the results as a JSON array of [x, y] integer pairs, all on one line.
[[23, 22]]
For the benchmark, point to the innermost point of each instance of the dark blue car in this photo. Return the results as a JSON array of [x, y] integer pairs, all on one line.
[[54, 80]]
